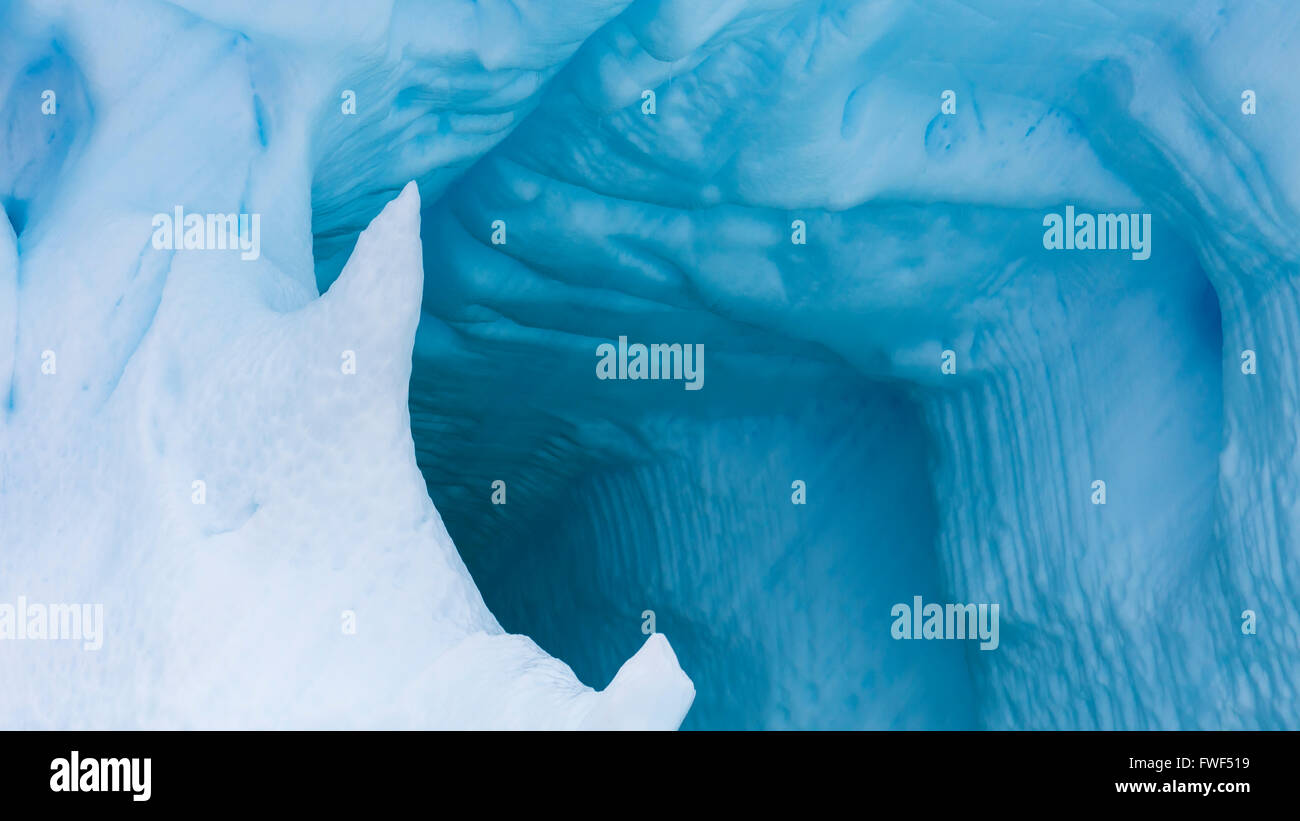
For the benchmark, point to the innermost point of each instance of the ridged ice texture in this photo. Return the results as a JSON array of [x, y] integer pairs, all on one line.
[[822, 360], [925, 234]]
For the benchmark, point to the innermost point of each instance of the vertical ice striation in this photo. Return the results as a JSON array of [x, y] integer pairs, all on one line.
[[1083, 586]]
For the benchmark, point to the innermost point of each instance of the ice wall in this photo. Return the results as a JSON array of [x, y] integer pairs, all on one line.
[[925, 234]]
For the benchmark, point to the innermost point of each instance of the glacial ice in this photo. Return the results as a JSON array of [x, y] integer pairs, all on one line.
[[475, 363]]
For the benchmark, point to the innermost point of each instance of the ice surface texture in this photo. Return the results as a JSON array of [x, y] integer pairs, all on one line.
[[822, 364]]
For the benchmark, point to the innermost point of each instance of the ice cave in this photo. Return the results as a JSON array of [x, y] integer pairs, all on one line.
[[373, 475]]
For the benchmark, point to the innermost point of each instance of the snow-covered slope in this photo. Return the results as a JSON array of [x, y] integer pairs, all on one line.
[[920, 146]]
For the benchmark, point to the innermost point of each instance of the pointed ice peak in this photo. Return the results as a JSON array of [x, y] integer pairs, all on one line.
[[649, 692], [377, 296], [399, 221]]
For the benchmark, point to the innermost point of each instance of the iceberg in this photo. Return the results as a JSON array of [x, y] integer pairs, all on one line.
[[226, 610], [338, 357]]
